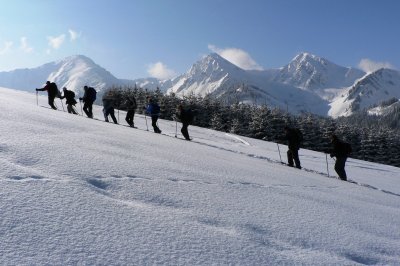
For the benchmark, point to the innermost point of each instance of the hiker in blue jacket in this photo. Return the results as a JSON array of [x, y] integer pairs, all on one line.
[[153, 109]]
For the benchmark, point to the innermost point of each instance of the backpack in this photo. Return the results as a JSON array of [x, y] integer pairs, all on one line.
[[54, 90], [91, 94], [156, 109], [299, 135], [189, 115], [347, 148], [130, 103]]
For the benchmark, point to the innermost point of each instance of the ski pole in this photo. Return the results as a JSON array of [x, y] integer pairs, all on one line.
[[145, 117], [327, 168], [118, 114], [62, 105], [80, 102], [176, 127], [279, 150], [37, 98]]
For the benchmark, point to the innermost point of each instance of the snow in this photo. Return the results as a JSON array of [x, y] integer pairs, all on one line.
[[80, 191]]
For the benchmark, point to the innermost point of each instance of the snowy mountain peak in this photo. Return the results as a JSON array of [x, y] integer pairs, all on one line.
[[73, 72], [208, 75], [310, 72], [304, 59], [369, 91], [211, 63]]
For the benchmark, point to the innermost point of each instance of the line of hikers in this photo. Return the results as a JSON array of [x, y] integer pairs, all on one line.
[[341, 150], [293, 136], [109, 100]]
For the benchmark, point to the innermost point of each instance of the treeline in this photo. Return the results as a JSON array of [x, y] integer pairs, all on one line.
[[375, 139]]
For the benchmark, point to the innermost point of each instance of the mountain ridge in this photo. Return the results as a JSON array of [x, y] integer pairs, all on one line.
[[308, 83]]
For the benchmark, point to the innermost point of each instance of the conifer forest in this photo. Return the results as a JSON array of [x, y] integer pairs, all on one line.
[[373, 138]]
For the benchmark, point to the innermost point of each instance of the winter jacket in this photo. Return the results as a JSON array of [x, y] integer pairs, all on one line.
[[153, 109], [90, 95], [108, 101], [70, 96], [130, 103], [340, 149], [186, 116], [293, 139], [51, 89]]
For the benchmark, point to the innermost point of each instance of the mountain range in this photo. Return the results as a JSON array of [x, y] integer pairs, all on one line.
[[307, 84]]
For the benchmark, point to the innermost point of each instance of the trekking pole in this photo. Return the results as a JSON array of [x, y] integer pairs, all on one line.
[[176, 127], [37, 99], [145, 117], [62, 105], [80, 102], [327, 168], [279, 150]]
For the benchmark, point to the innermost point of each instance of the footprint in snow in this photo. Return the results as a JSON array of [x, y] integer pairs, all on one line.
[[17, 178], [98, 183]]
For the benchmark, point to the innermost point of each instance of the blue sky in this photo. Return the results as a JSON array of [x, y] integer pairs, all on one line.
[[162, 38]]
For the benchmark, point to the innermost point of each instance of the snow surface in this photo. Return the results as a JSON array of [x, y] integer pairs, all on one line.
[[80, 191]]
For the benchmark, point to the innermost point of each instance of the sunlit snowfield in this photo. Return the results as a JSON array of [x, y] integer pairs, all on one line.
[[80, 191]]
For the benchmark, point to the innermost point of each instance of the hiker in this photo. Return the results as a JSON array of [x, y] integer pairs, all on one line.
[[70, 100], [130, 106], [88, 99], [153, 109], [341, 151], [294, 138], [108, 106], [52, 92], [186, 117]]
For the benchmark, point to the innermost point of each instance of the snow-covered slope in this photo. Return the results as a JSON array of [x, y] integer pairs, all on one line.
[[386, 109], [72, 72], [80, 191], [368, 91]]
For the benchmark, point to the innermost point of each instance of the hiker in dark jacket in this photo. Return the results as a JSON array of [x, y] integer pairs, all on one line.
[[108, 106], [293, 138], [52, 92], [70, 100], [88, 99], [130, 106], [341, 151], [186, 117], [153, 109]]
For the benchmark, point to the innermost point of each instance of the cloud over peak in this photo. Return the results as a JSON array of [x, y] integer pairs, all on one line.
[[56, 42], [160, 71], [368, 65], [73, 35], [236, 56], [25, 46], [6, 47]]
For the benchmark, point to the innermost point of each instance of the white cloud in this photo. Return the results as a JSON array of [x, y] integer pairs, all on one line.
[[73, 35], [6, 48], [367, 65], [236, 56], [56, 42], [25, 46], [160, 71]]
